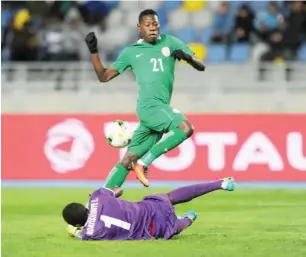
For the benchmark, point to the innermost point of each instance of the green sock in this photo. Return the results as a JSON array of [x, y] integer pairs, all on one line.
[[172, 139], [116, 177]]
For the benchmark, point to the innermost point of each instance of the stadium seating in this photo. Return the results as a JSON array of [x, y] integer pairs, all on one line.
[[129, 5], [167, 30], [131, 19], [302, 53], [193, 6], [201, 19], [178, 19], [169, 6], [6, 16], [191, 21], [259, 5], [163, 17], [187, 35], [213, 5], [115, 17], [112, 4], [199, 50], [216, 53], [205, 35], [239, 53], [234, 6], [155, 5]]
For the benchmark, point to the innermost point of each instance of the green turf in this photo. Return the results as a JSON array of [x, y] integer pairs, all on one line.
[[242, 223]]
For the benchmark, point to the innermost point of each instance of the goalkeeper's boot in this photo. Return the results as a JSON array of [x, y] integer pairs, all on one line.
[[192, 215], [228, 184], [141, 173]]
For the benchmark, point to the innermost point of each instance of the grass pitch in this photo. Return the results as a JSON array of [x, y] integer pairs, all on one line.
[[242, 223]]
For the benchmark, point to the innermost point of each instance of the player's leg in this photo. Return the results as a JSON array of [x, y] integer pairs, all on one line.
[[118, 174], [187, 193], [178, 129], [182, 224], [166, 223], [185, 221], [143, 139]]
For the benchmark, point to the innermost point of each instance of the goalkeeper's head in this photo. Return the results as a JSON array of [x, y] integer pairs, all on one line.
[[75, 214]]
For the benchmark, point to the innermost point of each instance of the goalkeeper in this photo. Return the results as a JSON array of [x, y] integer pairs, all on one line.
[[108, 218]]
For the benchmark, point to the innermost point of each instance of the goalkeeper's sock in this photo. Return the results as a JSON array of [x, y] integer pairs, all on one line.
[[182, 224], [187, 193], [116, 177], [172, 139]]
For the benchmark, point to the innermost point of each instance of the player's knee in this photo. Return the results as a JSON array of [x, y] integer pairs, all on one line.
[[187, 128], [170, 197], [128, 159]]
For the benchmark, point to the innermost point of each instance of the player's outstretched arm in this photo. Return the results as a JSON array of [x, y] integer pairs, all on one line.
[[104, 74], [196, 63], [191, 59]]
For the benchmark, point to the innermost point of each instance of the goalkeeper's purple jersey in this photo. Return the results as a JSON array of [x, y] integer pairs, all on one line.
[[114, 219]]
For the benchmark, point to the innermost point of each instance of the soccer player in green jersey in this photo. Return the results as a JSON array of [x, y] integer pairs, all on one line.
[[152, 60]]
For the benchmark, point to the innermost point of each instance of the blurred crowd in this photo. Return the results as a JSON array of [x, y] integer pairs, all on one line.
[[48, 30], [55, 30]]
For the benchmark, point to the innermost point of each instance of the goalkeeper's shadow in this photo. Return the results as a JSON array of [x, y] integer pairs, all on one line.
[[190, 237]]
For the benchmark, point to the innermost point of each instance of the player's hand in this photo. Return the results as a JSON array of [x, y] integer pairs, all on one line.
[[92, 42], [72, 230], [181, 55]]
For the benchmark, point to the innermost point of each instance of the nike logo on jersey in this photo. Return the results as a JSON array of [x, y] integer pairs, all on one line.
[[138, 55]]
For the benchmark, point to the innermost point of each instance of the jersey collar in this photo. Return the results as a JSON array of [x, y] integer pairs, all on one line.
[[141, 39]]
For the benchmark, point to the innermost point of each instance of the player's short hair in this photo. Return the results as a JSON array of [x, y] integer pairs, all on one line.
[[145, 13], [75, 214]]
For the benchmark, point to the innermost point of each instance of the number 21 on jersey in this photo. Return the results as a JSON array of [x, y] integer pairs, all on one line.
[[109, 221], [157, 64]]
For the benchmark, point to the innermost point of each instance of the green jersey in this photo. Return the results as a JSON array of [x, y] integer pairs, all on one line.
[[153, 68]]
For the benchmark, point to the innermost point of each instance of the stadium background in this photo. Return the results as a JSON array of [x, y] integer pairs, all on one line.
[[248, 107]]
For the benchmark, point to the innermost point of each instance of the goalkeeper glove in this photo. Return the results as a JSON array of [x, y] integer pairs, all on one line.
[[73, 230]]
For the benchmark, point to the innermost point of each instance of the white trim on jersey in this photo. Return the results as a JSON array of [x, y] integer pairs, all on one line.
[[109, 190], [141, 39]]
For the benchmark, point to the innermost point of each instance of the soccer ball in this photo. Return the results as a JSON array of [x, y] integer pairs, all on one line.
[[118, 133]]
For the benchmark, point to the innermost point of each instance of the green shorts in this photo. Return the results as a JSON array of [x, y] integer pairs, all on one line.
[[154, 122]]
